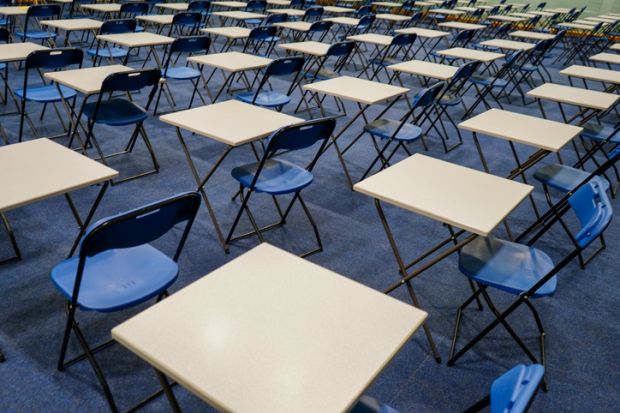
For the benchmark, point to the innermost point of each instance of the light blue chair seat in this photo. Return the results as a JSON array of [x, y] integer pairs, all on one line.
[[46, 93], [277, 177], [253, 22], [112, 52], [116, 112], [367, 404], [599, 132], [486, 81], [118, 278], [4, 22], [450, 100], [513, 391], [36, 35], [528, 67], [564, 178], [385, 128], [267, 98], [181, 73], [323, 74], [139, 29], [507, 266]]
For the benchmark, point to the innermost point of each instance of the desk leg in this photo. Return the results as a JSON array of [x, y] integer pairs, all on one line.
[[89, 217], [174, 405], [17, 253]]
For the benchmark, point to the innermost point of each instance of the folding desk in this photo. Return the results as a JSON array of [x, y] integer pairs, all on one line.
[[315, 51], [609, 58], [239, 16], [303, 339], [344, 25], [447, 12], [602, 20], [39, 169], [615, 46], [232, 123], [391, 20], [234, 63], [173, 6], [300, 28], [231, 33], [72, 25], [593, 73], [102, 8], [230, 4], [11, 13], [364, 93], [462, 26], [288, 12], [454, 195], [423, 69], [387, 4], [137, 41], [337, 10], [531, 35], [507, 19], [158, 20], [425, 36], [279, 3], [379, 42], [508, 44], [471, 54], [576, 26]]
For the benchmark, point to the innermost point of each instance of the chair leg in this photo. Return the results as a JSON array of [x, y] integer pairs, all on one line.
[[541, 331], [457, 322], [315, 228]]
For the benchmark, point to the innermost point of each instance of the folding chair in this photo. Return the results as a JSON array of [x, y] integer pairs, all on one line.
[[116, 111], [320, 29], [398, 51], [182, 45], [525, 271], [272, 20], [185, 24], [541, 5], [259, 41], [116, 268], [53, 59], [105, 51], [34, 15], [255, 6], [313, 14], [461, 39], [132, 9], [363, 26], [275, 177], [5, 37], [286, 66], [203, 7]]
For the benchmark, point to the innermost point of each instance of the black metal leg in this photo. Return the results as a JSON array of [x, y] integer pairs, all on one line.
[[89, 217], [174, 405]]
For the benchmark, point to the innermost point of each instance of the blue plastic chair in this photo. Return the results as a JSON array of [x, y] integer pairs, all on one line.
[[35, 14], [132, 9], [398, 50], [259, 41], [185, 24], [363, 26], [461, 39], [4, 21], [103, 50], [255, 6], [285, 66], [122, 112], [53, 59], [116, 268], [275, 176], [203, 7], [312, 14], [5, 37], [320, 29]]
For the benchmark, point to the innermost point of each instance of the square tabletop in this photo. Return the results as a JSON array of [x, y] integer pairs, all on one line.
[[295, 25], [576, 26], [13, 10], [611, 58], [602, 19], [541, 13], [272, 332], [372, 38], [528, 130], [173, 6], [161, 19], [346, 21], [40, 169], [453, 194], [337, 10], [592, 73], [310, 47], [508, 44], [508, 19], [231, 122], [615, 46], [591, 99], [424, 33], [288, 12], [87, 80], [238, 15], [102, 7], [357, 90], [230, 4], [447, 12], [231, 32], [392, 17], [425, 69], [462, 26], [73, 24], [231, 61], [471, 54], [141, 39], [15, 52], [386, 4], [281, 3], [531, 35]]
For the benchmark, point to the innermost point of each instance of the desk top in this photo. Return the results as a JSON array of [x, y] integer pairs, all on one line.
[[425, 69], [615, 46], [283, 3], [271, 332], [372, 38], [471, 54], [40, 169], [612, 58], [230, 4], [232, 32], [73, 24], [574, 96], [298, 25], [425, 33], [310, 47], [142, 39], [531, 35], [87, 80], [386, 4], [528, 130], [509, 19], [15, 52], [592, 73], [102, 7], [347, 21], [508, 44], [465, 198], [337, 10], [13, 10], [462, 26], [173, 6], [576, 26], [162, 19], [392, 17], [288, 12], [238, 15], [231, 61], [357, 90], [447, 12], [231, 122]]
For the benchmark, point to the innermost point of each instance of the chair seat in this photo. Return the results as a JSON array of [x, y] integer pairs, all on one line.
[[385, 128], [113, 52], [117, 279], [323, 74], [367, 404], [277, 177], [487, 81], [116, 112], [450, 100], [46, 93], [266, 98], [599, 132], [528, 67], [181, 73], [36, 35], [254, 22], [563, 177], [506, 265]]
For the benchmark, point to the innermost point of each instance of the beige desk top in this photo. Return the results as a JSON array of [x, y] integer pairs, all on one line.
[[615, 46], [288, 12], [588, 22], [337, 10], [39, 169], [602, 19], [558, 10], [142, 39], [471, 54], [447, 12], [606, 58], [424, 33], [231, 61], [173, 6], [425, 69], [239, 15], [73, 24], [392, 17], [298, 26], [465, 198], [310, 47], [87, 80], [231, 32], [231, 122], [13, 10], [541, 13], [283, 3], [14, 52], [230, 4], [372, 38], [102, 7], [531, 35], [386, 4], [508, 44], [574, 96], [357, 90], [576, 26], [347, 21], [592, 73], [271, 332], [524, 15], [161, 19], [509, 19], [528, 130], [462, 26], [467, 9]]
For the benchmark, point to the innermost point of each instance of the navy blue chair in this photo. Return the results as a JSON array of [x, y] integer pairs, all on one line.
[[203, 7], [105, 51], [53, 59], [285, 66], [5, 37], [398, 51], [363, 26], [116, 268], [4, 21], [313, 14], [255, 6], [183, 45], [32, 29], [132, 9], [461, 39], [259, 41], [320, 29], [185, 24], [123, 112], [274, 176]]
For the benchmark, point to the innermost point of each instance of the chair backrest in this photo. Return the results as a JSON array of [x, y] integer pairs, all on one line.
[[462, 38], [275, 18], [201, 6], [502, 30], [541, 5], [262, 32], [296, 4], [363, 11], [313, 13], [340, 49], [427, 96], [118, 26], [136, 8], [189, 44], [285, 66], [256, 6], [403, 39], [463, 73], [130, 81], [414, 19], [302, 135], [189, 18], [5, 35], [593, 209], [366, 22], [42, 11], [514, 390], [54, 58], [320, 26]]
